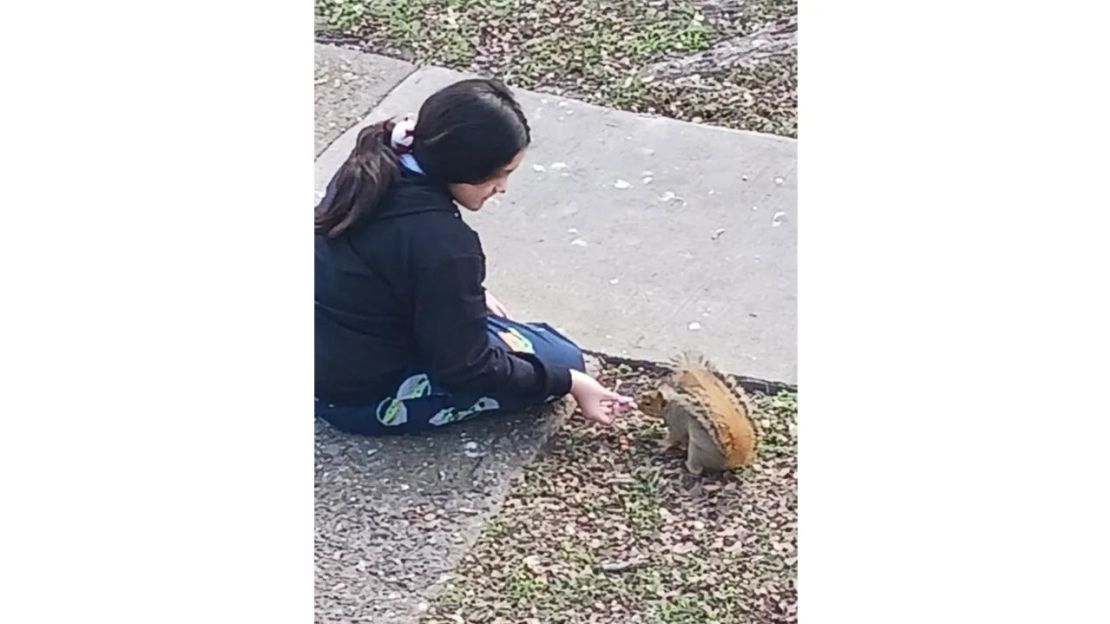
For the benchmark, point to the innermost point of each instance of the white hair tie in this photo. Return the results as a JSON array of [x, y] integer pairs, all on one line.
[[401, 138]]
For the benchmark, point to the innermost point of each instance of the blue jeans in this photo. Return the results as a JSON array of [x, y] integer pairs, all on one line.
[[420, 403]]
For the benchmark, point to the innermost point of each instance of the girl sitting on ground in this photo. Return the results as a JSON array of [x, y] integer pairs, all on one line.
[[407, 338]]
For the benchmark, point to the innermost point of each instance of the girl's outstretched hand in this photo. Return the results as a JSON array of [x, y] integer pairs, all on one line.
[[597, 402]]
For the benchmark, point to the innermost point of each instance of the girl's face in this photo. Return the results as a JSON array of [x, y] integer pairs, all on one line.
[[473, 196]]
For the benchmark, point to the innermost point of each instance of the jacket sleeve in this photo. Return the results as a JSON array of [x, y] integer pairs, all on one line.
[[452, 333]]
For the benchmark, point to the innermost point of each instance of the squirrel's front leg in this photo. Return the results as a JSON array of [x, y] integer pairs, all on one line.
[[677, 426]]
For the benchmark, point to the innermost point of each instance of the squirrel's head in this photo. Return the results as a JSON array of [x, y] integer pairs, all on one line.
[[652, 402]]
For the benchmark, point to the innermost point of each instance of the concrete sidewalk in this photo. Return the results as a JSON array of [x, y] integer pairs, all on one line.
[[692, 258]]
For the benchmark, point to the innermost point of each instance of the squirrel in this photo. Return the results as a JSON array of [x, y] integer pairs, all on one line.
[[704, 412]]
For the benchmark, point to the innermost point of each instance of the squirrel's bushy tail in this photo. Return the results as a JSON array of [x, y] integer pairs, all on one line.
[[693, 360]]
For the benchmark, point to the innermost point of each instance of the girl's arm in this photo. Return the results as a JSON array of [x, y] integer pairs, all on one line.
[[451, 327]]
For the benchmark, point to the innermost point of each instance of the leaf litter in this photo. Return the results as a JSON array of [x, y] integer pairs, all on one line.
[[604, 528], [605, 53]]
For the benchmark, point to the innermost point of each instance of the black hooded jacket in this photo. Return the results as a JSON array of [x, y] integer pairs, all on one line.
[[401, 291]]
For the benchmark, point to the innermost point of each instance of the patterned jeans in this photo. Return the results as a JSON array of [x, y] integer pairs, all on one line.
[[420, 403]]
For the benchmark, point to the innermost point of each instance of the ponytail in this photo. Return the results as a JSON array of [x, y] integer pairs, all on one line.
[[358, 186]]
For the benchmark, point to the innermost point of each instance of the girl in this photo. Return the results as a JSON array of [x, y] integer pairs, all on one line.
[[407, 338]]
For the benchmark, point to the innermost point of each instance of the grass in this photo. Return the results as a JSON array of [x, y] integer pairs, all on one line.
[[592, 50]]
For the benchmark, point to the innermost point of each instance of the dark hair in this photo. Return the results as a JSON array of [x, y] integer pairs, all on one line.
[[464, 133]]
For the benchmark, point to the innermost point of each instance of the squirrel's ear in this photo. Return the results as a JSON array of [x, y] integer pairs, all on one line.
[[666, 392]]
